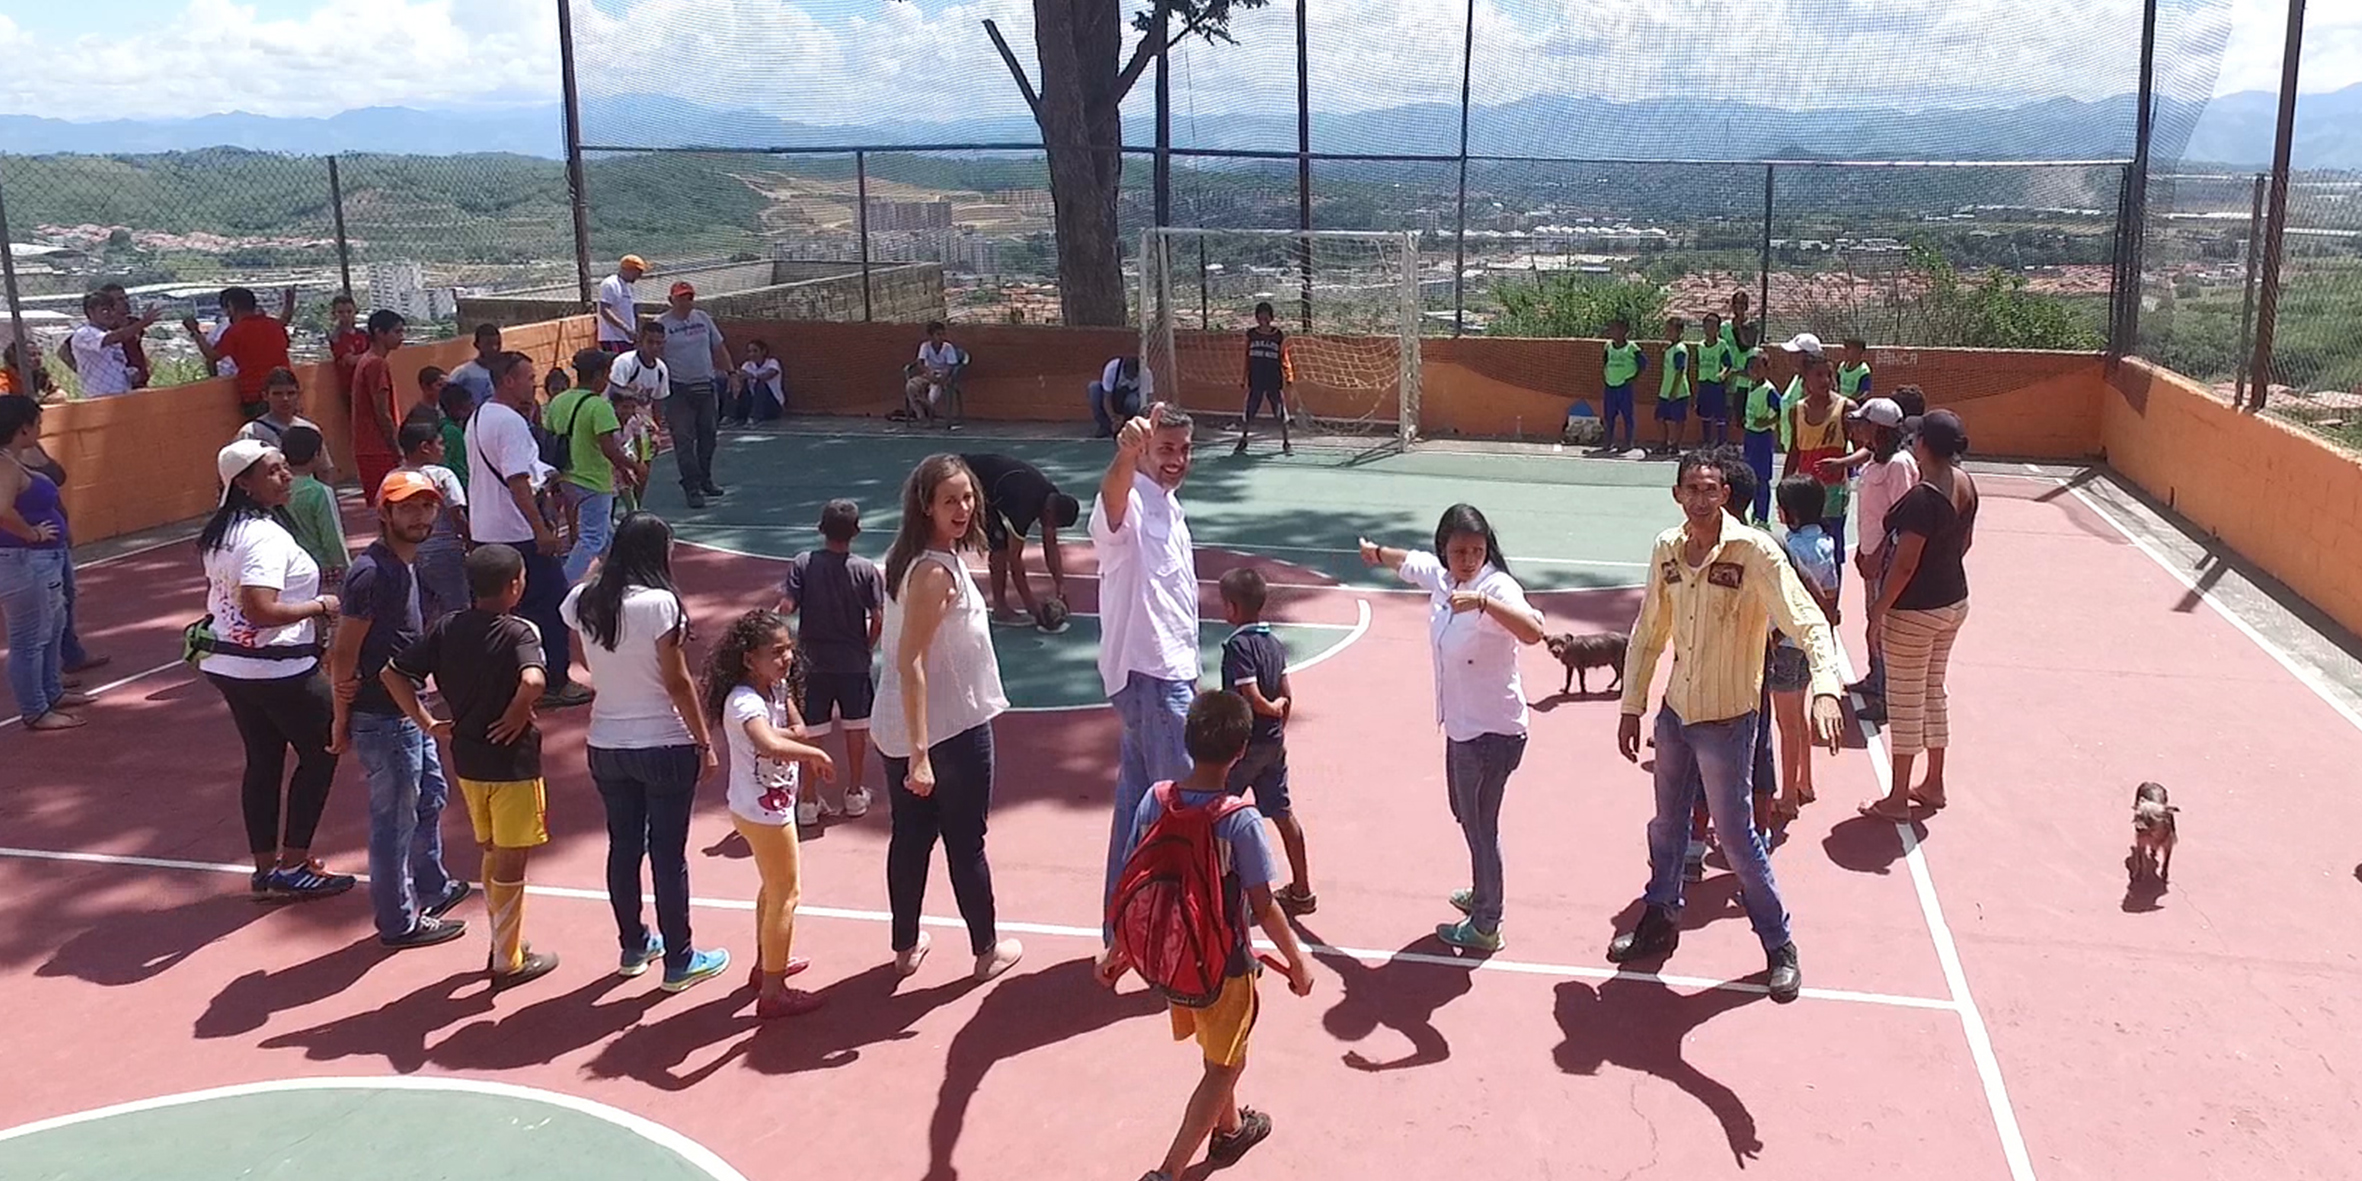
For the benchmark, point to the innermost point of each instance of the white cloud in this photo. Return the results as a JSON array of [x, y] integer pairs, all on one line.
[[865, 61]]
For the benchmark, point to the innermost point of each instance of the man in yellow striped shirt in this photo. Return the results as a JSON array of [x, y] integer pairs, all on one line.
[[1715, 588]]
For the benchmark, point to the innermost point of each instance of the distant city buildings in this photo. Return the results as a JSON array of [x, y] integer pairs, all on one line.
[[401, 287]]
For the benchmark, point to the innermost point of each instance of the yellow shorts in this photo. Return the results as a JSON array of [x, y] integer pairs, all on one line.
[[1220, 1028], [506, 815]]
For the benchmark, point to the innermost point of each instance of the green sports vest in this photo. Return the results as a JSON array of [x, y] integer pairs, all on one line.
[[1715, 359], [1674, 386], [1851, 379], [1762, 400], [1623, 364]]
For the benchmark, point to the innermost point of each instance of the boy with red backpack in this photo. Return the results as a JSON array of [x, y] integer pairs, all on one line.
[[1198, 872]]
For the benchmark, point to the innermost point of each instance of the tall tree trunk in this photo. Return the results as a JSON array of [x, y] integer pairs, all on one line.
[[1080, 115]]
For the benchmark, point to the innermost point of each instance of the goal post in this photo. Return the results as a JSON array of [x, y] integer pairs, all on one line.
[[1349, 300]]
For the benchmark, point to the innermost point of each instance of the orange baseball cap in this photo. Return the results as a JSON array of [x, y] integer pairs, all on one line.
[[634, 260], [684, 287], [399, 486]]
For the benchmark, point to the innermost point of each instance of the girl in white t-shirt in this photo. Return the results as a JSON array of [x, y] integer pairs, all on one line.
[[760, 396], [748, 693]]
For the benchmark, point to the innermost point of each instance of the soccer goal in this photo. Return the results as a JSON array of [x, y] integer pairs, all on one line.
[[1348, 300]]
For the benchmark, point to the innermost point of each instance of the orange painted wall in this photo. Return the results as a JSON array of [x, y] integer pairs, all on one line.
[[2239, 476], [145, 459]]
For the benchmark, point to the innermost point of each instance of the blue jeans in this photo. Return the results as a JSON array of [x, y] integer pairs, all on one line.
[[1476, 775], [1152, 713], [69, 646], [546, 585], [33, 594], [594, 523], [1762, 447], [1719, 757], [406, 796], [1112, 411], [648, 793]]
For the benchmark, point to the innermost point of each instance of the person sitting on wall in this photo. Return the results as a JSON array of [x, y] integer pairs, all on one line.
[[1123, 389], [933, 377]]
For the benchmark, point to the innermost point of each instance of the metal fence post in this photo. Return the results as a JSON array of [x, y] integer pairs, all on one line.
[[1763, 270], [2267, 304], [577, 196], [1304, 154], [28, 358], [1162, 169], [2255, 229], [861, 223], [344, 248], [1460, 233], [2131, 243]]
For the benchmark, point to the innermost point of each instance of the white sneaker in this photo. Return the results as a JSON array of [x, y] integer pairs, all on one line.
[[807, 812], [857, 803], [1003, 956], [907, 961]]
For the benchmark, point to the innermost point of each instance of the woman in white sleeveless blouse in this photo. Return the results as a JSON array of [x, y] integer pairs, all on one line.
[[936, 700]]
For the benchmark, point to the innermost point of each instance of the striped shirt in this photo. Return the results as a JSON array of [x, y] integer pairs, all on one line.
[[1718, 616]]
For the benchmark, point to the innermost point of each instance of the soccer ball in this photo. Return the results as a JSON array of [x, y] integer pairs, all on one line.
[[1051, 615]]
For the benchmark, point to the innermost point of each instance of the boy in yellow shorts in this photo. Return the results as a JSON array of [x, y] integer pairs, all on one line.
[[1216, 733], [488, 664]]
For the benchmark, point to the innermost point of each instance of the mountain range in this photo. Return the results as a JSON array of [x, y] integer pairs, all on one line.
[[2234, 130]]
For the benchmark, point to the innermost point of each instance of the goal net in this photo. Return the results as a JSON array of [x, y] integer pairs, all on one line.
[[1349, 301]]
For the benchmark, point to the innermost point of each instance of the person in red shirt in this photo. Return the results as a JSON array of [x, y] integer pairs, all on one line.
[[376, 445], [254, 342], [347, 341]]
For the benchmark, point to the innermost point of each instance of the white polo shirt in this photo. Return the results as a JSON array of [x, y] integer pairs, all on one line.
[[650, 381], [616, 295], [1147, 588], [1477, 687], [499, 445]]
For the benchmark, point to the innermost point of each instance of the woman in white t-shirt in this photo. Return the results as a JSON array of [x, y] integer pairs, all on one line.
[[748, 692], [263, 605], [936, 700], [1477, 619], [760, 397], [648, 742]]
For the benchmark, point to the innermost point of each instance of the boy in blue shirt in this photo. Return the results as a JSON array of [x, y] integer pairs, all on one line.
[[1216, 733], [1255, 666], [1814, 554]]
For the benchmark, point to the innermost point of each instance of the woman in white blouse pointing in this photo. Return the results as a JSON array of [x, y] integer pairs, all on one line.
[[1477, 618]]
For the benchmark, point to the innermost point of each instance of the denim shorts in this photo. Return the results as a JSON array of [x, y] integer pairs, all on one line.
[[1790, 672]]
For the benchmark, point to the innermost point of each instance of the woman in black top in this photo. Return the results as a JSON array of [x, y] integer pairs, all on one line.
[[1920, 608]]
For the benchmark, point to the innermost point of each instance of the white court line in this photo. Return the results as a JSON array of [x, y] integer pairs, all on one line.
[[690, 1151], [1972, 1020], [151, 547], [110, 686], [1054, 930]]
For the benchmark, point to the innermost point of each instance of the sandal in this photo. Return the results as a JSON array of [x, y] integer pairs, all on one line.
[[1880, 809], [1931, 800], [1805, 794]]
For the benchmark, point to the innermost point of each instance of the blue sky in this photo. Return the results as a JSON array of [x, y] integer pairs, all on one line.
[[837, 61]]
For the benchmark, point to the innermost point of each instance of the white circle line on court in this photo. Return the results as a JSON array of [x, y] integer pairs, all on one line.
[[1064, 931], [697, 1155]]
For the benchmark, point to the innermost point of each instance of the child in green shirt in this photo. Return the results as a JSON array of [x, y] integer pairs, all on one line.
[[1674, 389], [312, 505]]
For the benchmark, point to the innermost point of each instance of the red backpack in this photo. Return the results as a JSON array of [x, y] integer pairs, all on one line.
[[1169, 914]]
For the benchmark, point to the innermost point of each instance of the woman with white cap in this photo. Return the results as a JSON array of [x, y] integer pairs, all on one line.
[[262, 653]]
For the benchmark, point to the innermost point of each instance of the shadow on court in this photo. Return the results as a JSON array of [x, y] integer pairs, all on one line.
[[1639, 1025]]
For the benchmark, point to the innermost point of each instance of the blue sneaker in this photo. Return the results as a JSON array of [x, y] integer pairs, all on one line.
[[306, 881], [1466, 937], [636, 962], [702, 966]]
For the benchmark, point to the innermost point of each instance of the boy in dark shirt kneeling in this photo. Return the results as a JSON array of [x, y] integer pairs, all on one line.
[[487, 663]]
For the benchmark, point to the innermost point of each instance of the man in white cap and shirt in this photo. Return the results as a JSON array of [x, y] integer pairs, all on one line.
[[619, 328]]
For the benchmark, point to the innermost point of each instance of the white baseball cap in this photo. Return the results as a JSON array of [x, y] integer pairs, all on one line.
[[234, 459], [1803, 342], [1880, 412]]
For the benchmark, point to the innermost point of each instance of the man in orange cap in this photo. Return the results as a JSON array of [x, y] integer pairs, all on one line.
[[619, 318], [699, 368], [409, 890]]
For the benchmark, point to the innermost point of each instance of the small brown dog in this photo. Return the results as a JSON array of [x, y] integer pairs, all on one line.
[[2153, 835], [1597, 650]]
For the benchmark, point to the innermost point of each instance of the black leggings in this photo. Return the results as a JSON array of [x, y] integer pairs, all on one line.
[[955, 812], [272, 716]]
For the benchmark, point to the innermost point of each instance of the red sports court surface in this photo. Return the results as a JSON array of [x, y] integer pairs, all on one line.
[[1993, 1004]]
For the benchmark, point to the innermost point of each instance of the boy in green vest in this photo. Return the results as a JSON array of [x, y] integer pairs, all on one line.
[[1759, 418], [1853, 373], [1673, 389], [1716, 360], [1625, 363]]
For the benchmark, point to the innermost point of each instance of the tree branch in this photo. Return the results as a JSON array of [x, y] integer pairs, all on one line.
[[1033, 101], [1193, 21]]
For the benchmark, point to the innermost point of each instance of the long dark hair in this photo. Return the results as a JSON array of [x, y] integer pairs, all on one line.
[[639, 555], [237, 506], [725, 666], [1465, 518], [917, 529]]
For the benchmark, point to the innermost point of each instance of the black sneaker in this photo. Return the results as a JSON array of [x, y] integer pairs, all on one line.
[[1654, 937], [427, 932], [1872, 710], [1254, 1127], [696, 500], [1785, 978], [537, 965], [566, 696], [716, 490], [452, 897]]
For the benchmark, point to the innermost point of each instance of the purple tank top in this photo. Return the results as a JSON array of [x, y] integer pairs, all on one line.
[[37, 503]]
